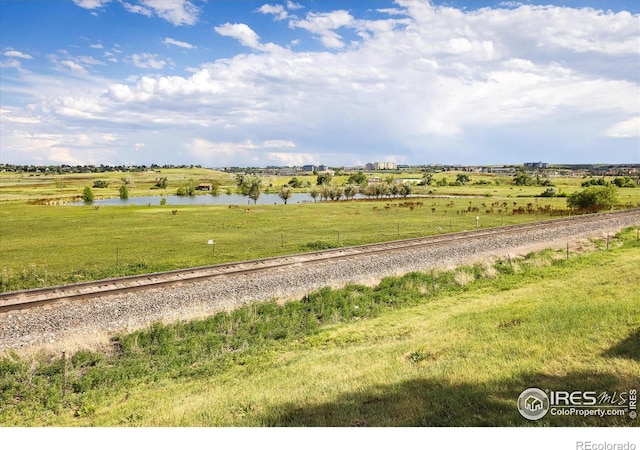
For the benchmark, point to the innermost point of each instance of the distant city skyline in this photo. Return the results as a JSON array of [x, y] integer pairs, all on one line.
[[331, 82]]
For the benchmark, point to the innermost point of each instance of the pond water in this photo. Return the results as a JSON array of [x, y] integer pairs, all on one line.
[[205, 199]]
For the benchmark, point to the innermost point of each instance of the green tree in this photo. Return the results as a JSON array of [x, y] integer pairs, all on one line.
[[357, 178], [523, 178], [594, 198], [323, 179], [254, 186], [350, 191], [124, 192], [161, 183], [335, 193], [463, 178], [405, 189], [87, 194], [285, 193], [595, 182], [626, 182], [314, 193], [427, 179]]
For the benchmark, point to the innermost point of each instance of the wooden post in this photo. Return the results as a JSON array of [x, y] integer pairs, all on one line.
[[433, 283], [64, 372], [567, 249], [607, 242]]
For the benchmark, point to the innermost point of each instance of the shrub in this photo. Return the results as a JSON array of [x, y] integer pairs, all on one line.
[[100, 184], [317, 245], [595, 182], [161, 183], [594, 198], [124, 192], [87, 194], [549, 192]]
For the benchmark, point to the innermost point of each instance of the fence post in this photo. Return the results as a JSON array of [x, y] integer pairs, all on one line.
[[433, 283], [64, 372]]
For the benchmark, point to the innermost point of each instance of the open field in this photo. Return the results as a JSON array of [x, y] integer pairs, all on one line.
[[36, 187], [455, 350], [44, 245]]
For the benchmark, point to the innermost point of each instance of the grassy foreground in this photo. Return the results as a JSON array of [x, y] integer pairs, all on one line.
[[453, 350]]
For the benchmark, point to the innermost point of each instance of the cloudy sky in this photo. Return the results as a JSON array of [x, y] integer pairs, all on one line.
[[241, 83]]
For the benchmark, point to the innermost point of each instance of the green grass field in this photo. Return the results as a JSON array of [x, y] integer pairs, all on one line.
[[455, 350], [44, 245]]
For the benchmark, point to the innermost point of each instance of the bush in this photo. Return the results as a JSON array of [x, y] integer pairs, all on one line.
[[124, 192], [626, 182], [87, 194], [317, 245], [549, 192], [594, 198], [100, 184], [595, 182]]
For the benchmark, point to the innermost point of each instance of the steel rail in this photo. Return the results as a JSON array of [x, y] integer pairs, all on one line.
[[44, 296]]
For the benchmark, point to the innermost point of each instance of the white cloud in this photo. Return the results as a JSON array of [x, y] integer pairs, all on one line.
[[7, 116], [625, 129], [293, 5], [147, 61], [324, 24], [276, 143], [241, 32], [247, 152], [73, 67], [170, 41], [17, 54], [177, 12], [138, 9], [91, 4], [278, 11], [247, 37]]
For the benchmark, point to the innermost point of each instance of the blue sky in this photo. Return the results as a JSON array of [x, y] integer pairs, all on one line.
[[242, 83]]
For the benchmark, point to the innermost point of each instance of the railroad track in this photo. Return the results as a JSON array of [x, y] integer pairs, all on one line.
[[46, 296]]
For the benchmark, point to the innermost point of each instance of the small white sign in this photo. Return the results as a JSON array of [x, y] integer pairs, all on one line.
[[211, 242]]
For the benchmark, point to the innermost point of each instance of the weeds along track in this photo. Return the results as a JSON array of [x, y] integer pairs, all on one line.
[[21, 300]]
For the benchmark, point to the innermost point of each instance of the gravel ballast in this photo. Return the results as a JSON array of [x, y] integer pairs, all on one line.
[[89, 322]]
